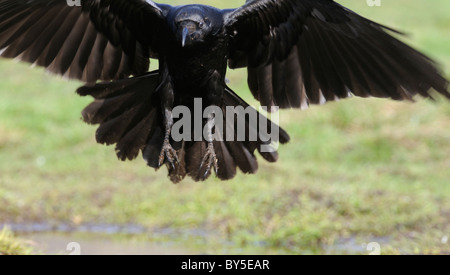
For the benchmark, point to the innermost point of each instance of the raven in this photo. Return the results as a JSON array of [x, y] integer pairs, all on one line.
[[297, 52]]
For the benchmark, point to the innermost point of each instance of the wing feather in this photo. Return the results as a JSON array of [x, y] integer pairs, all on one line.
[[100, 40], [312, 51]]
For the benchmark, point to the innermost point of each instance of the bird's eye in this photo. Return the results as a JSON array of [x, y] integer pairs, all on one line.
[[201, 24]]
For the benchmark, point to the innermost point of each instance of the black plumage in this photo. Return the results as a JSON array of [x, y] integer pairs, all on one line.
[[297, 52]]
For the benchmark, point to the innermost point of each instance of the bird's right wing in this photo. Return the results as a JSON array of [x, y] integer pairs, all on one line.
[[312, 51], [88, 40]]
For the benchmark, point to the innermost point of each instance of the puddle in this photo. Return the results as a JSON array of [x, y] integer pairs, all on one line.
[[354, 245], [98, 244], [131, 239], [95, 239], [26, 228]]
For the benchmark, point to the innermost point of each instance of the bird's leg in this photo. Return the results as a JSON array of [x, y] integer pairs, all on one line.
[[210, 158], [215, 89], [167, 99], [167, 152]]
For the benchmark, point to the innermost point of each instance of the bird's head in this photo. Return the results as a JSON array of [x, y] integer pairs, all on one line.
[[195, 24]]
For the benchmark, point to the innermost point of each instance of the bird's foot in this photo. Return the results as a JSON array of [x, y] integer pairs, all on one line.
[[169, 154], [209, 160]]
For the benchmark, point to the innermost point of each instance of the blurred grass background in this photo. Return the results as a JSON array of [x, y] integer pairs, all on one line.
[[362, 169]]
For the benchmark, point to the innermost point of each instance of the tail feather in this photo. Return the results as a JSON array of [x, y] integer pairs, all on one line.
[[135, 140], [233, 154], [243, 156], [153, 148], [114, 129], [194, 158], [231, 99], [245, 160], [102, 110], [130, 115], [226, 163], [104, 90], [127, 111], [178, 173]]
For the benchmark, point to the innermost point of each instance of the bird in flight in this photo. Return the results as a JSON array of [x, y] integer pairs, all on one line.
[[297, 52]]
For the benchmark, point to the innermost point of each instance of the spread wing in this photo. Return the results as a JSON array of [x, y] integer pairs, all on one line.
[[99, 39], [311, 51]]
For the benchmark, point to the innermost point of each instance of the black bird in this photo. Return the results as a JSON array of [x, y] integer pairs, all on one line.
[[297, 52]]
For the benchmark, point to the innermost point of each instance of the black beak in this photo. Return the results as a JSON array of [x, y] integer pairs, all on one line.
[[184, 36]]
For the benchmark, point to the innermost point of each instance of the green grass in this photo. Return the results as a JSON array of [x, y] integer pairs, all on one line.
[[10, 245], [362, 168]]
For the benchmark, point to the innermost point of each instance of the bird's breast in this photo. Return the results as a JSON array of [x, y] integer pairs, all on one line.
[[192, 69]]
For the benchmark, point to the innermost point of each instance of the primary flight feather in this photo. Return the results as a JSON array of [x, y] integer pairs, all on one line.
[[297, 52]]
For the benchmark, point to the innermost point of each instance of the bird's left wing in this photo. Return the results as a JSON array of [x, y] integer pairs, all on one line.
[[83, 39], [311, 51]]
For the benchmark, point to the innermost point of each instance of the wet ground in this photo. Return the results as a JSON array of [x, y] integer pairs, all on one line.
[[107, 239], [99, 244], [95, 239]]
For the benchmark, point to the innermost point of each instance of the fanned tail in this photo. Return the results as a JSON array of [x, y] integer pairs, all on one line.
[[233, 153], [128, 112], [129, 115]]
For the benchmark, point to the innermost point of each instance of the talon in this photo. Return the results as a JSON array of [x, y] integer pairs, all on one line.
[[167, 152], [216, 167], [210, 159]]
